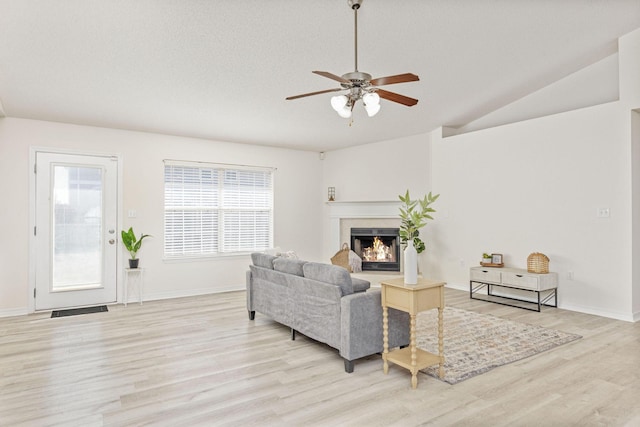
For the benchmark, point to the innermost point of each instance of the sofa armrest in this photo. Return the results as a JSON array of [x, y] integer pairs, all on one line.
[[361, 325]]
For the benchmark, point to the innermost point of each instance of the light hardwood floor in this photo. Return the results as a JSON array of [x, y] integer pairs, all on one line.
[[200, 361]]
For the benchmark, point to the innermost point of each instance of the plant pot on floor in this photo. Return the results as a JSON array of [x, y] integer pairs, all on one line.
[[133, 263]]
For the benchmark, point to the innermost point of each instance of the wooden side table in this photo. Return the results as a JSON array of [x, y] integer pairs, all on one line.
[[425, 295], [139, 273]]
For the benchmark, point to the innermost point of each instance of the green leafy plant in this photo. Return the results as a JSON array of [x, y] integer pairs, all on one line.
[[131, 242], [414, 215]]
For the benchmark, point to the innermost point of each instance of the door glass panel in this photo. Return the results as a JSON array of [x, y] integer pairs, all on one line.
[[77, 227]]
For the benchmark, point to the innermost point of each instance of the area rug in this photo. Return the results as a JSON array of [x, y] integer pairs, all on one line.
[[476, 343]]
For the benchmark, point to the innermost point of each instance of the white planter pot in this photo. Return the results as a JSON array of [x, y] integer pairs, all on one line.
[[410, 264]]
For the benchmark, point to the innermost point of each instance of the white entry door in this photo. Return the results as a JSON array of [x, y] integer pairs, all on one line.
[[76, 235]]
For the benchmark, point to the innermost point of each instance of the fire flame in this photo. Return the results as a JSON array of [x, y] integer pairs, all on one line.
[[378, 252]]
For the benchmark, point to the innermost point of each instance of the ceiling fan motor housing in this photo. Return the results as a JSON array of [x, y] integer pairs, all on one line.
[[357, 79]]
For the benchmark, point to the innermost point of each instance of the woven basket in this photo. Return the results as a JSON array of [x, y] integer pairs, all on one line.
[[537, 263], [341, 258]]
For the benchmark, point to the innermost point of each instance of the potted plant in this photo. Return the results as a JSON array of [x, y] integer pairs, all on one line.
[[486, 258], [414, 215], [133, 245]]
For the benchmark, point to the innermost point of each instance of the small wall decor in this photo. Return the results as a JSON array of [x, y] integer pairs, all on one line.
[[332, 194]]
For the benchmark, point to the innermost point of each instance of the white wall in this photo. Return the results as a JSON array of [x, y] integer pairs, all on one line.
[[635, 187], [536, 186], [376, 172], [297, 202], [593, 85], [629, 46]]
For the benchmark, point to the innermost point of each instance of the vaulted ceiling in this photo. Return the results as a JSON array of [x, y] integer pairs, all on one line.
[[221, 69]]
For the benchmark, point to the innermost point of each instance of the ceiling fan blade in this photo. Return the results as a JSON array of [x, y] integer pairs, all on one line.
[[289, 98], [396, 97], [331, 76], [400, 78]]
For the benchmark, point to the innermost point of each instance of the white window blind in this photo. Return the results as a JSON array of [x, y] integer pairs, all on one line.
[[215, 209]]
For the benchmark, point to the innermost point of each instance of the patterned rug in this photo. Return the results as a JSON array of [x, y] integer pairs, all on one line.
[[476, 343]]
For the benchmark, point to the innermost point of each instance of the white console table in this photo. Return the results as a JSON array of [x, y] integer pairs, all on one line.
[[543, 286]]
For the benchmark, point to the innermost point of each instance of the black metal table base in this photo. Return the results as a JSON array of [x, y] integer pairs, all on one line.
[[543, 297]]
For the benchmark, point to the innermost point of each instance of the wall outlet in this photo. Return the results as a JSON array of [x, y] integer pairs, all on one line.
[[462, 263], [603, 213], [132, 213], [569, 275]]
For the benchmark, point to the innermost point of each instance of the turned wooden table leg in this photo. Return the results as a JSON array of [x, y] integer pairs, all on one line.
[[414, 355], [385, 338], [440, 342]]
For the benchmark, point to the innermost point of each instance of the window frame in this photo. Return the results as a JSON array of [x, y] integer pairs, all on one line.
[[221, 169]]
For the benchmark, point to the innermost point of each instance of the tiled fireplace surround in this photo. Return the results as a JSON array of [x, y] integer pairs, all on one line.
[[345, 215]]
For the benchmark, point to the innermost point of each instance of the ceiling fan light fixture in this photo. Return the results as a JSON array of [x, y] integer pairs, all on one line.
[[344, 112], [339, 102], [372, 109], [371, 98]]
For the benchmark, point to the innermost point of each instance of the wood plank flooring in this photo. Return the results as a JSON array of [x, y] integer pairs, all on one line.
[[200, 361]]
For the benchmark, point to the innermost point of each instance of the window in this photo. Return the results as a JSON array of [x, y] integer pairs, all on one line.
[[214, 209]]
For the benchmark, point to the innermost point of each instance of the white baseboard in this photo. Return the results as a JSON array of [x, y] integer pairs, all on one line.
[[147, 297], [627, 317], [13, 312], [189, 293], [458, 286]]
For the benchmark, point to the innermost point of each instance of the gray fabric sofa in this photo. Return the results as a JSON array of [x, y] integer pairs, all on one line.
[[323, 302]]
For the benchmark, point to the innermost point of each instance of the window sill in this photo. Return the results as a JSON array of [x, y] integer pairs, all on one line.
[[206, 258]]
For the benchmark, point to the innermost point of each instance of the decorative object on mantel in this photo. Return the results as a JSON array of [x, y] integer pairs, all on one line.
[[133, 245], [538, 263], [493, 260], [414, 215], [332, 194]]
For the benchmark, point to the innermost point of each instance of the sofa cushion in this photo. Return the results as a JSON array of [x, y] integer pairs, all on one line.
[[360, 285], [332, 274], [289, 265], [262, 260]]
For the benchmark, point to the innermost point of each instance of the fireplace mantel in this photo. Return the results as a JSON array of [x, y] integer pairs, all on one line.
[[364, 209]]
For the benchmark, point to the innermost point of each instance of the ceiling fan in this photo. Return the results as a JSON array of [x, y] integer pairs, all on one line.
[[360, 85]]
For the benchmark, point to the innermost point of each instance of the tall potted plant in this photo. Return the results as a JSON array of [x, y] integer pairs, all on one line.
[[133, 245], [414, 215]]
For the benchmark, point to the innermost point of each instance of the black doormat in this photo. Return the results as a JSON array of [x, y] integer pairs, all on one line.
[[74, 311]]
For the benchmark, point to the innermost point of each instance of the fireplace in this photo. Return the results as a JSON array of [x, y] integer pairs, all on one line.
[[379, 248]]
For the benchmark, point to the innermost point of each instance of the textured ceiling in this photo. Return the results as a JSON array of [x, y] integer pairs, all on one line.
[[221, 69]]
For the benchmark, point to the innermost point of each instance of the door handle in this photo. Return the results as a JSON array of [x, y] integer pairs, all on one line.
[[111, 241]]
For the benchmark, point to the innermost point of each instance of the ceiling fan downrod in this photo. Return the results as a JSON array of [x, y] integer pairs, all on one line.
[[355, 5]]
